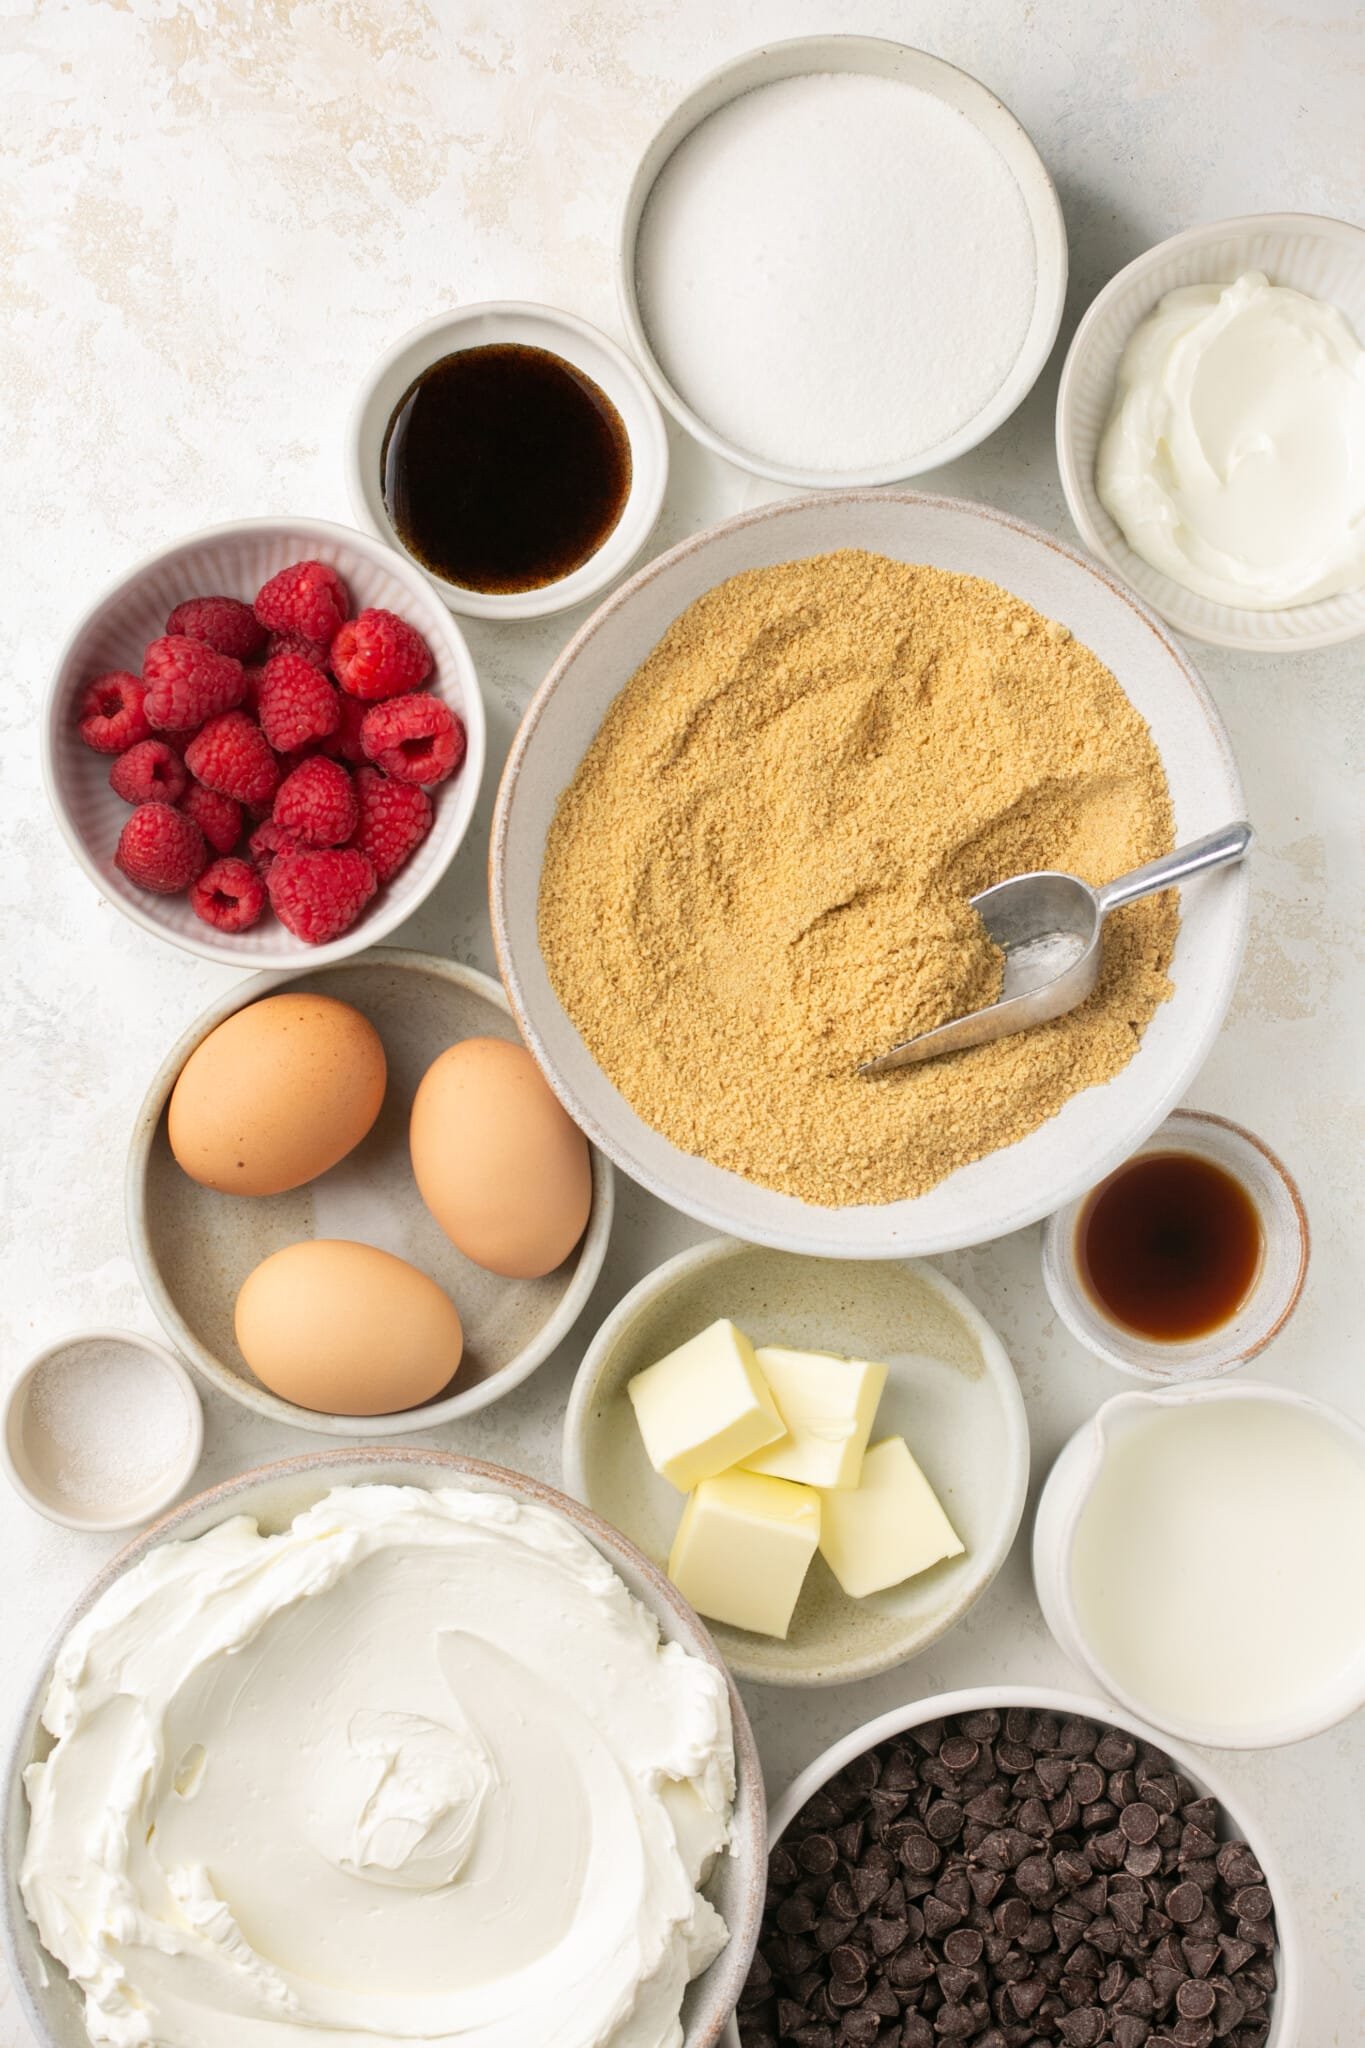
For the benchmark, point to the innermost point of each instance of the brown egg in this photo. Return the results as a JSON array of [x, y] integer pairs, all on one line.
[[347, 1330], [501, 1166], [276, 1094]]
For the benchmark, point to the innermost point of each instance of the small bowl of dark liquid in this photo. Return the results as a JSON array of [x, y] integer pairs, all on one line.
[[1188, 1259], [514, 453]]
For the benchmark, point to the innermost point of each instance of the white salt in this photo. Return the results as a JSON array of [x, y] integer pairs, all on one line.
[[836, 271], [102, 1425]]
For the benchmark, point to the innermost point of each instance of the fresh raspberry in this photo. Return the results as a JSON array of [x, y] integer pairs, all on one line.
[[223, 623], [268, 840], [416, 739], [379, 655], [110, 716], [395, 817], [232, 756], [319, 892], [161, 849], [216, 815], [188, 683], [229, 895], [316, 651], [149, 773], [346, 742], [316, 803], [296, 703], [307, 598]]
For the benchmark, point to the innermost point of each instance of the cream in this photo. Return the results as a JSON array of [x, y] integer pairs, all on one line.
[[1234, 457], [418, 1768]]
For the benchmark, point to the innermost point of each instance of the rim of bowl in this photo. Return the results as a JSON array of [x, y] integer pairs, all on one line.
[[397, 903], [579, 1421], [1025, 1214], [1170, 599], [591, 1249], [154, 1501], [1041, 204], [1270, 1735], [1054, 1699], [1062, 1281], [649, 464], [739, 1949]]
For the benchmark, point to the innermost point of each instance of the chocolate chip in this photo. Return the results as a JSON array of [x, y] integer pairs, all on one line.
[[1143, 1859], [943, 1820], [919, 1855], [818, 1854], [1011, 1917], [1127, 2030], [1027, 1995], [1252, 1902], [796, 1915], [1138, 1822], [859, 2029], [1195, 2000], [1087, 1782], [1082, 2027], [848, 1962], [1200, 1956], [985, 1885], [1185, 1902], [959, 1752], [1033, 1818]]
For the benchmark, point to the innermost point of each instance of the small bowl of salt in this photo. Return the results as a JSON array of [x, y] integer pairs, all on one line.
[[102, 1431]]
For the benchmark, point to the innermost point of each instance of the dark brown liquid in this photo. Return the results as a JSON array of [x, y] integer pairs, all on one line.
[[504, 468], [1169, 1245]]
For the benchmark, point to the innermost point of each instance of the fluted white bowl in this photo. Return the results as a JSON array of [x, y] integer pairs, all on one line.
[[235, 560]]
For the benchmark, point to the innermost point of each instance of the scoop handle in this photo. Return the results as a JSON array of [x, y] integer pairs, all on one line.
[[1229, 843]]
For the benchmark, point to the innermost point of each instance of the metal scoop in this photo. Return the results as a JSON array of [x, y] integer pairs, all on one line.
[[1048, 927]]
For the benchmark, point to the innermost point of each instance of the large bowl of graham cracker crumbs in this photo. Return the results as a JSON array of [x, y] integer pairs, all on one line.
[[735, 840]]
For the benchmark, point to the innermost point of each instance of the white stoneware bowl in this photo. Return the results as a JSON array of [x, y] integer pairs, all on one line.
[[951, 1393], [531, 326], [193, 1247], [1313, 254], [234, 561], [957, 89], [1061, 1504], [274, 1495], [33, 1462], [1289, 1961], [1274, 1291], [1098, 1127]]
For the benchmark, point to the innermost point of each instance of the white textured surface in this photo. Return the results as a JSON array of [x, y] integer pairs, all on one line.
[[211, 230]]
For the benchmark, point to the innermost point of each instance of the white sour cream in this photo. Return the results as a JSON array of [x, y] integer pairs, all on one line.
[[418, 1768], [1234, 458]]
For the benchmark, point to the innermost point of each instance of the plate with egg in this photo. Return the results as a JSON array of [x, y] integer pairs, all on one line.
[[354, 1204], [828, 1457]]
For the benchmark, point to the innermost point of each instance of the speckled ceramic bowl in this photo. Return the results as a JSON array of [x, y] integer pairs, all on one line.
[[951, 1393], [274, 1494], [236, 560], [194, 1247]]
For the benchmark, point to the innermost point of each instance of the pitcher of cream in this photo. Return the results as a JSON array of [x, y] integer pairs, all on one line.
[[1201, 1553]]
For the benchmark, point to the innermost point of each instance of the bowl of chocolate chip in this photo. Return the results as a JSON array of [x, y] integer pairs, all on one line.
[[1007, 1866]]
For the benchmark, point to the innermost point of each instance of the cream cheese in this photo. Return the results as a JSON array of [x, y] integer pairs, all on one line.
[[1234, 457], [417, 1768]]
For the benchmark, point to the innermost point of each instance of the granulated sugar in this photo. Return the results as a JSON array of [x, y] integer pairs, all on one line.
[[836, 271], [102, 1425]]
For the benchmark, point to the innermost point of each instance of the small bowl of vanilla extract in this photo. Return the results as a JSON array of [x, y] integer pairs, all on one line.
[[514, 453], [1188, 1259]]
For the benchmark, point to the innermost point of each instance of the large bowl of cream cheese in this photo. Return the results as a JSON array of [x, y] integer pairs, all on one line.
[[376, 1747]]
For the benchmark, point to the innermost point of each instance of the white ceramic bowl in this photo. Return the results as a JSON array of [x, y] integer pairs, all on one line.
[[193, 1247], [1289, 1961], [957, 89], [1326, 259], [511, 320], [1274, 1291], [33, 1465], [1098, 1127], [1060, 1505], [235, 560], [273, 1495], [951, 1393]]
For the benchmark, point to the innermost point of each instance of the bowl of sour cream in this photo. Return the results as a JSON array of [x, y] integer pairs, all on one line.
[[1211, 430]]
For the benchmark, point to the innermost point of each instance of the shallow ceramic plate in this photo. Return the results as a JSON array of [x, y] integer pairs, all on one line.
[[274, 1494], [951, 1394], [194, 1247], [1326, 259], [1097, 1128]]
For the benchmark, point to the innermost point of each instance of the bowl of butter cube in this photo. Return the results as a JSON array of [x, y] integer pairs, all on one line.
[[829, 1458]]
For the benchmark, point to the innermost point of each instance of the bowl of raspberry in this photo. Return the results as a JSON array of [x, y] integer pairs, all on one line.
[[265, 742]]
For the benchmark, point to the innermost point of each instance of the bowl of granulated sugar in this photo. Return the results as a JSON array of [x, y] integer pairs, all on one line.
[[842, 262], [102, 1431]]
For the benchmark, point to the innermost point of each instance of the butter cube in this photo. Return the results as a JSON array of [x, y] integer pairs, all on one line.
[[742, 1549], [704, 1407], [827, 1404], [888, 1527]]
